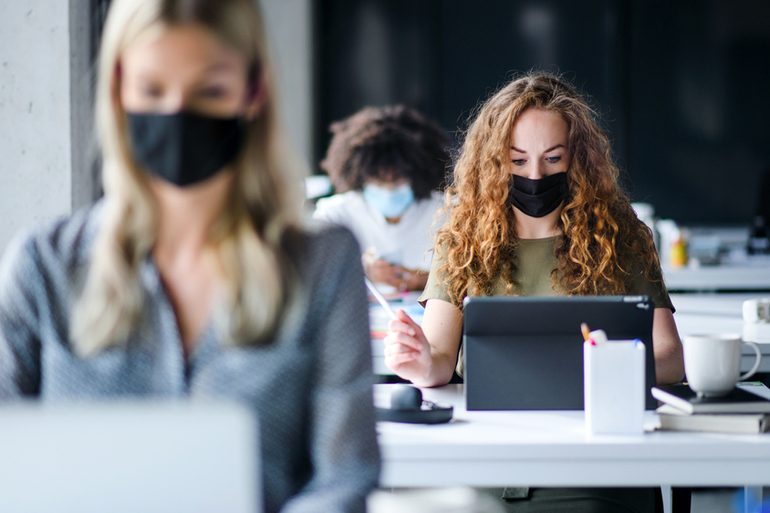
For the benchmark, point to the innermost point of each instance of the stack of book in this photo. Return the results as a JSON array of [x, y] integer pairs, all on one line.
[[741, 411]]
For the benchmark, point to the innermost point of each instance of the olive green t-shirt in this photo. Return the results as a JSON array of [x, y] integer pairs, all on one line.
[[534, 261]]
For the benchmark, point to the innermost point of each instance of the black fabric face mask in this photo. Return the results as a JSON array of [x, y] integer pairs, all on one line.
[[185, 148], [538, 198]]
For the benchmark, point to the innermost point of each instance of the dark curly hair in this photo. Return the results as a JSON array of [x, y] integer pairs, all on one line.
[[388, 143]]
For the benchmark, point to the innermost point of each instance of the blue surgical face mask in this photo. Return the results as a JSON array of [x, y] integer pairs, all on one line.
[[389, 202]]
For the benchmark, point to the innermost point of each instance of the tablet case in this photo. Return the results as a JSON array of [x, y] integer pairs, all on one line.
[[526, 353]]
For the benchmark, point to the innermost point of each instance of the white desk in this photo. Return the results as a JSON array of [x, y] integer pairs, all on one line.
[[751, 274], [550, 448], [723, 313]]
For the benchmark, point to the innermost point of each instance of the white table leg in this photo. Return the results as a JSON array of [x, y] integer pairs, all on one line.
[[752, 495], [665, 492]]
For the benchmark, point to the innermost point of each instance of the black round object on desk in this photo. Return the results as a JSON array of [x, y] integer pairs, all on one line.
[[407, 406], [406, 398]]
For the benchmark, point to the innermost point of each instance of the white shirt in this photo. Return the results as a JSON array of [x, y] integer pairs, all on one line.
[[408, 243]]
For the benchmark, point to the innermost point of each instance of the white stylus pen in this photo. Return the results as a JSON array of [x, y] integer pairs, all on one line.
[[380, 298]]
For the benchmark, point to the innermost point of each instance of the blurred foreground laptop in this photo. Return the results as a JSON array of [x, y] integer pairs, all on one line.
[[526, 353], [128, 457]]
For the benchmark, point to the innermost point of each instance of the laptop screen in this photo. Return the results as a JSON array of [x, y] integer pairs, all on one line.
[[526, 353], [128, 457]]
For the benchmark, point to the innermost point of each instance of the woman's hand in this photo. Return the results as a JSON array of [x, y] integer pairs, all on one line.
[[425, 355], [407, 351], [381, 271], [416, 279]]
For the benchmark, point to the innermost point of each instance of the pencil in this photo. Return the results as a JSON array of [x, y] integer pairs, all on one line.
[[586, 332], [380, 298]]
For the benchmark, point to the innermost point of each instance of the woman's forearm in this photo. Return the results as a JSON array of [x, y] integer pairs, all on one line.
[[669, 361], [440, 372]]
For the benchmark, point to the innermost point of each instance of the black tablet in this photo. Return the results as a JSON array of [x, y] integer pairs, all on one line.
[[526, 353]]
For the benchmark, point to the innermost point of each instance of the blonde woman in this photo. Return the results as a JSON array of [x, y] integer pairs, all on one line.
[[193, 276], [536, 210]]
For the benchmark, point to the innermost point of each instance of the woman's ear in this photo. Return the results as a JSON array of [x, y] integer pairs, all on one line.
[[256, 99], [115, 80]]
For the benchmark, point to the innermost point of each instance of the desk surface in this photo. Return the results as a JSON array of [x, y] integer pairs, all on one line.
[[749, 275], [550, 448]]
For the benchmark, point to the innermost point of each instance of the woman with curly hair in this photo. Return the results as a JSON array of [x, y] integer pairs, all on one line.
[[387, 164], [535, 210]]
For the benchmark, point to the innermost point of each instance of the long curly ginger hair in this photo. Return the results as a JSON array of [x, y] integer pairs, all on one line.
[[601, 233]]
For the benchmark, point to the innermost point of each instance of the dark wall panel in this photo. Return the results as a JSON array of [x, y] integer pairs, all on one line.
[[375, 52], [680, 85], [699, 130]]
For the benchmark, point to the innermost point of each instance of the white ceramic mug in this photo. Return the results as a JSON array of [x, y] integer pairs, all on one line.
[[756, 310], [713, 363]]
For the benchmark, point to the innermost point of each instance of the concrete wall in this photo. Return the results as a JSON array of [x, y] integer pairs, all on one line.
[[35, 158], [289, 27], [85, 184], [47, 145]]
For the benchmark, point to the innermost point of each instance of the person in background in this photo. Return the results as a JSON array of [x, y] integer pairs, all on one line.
[[387, 164], [536, 210], [194, 276]]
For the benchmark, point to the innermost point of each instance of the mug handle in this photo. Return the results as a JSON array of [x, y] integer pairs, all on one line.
[[756, 363]]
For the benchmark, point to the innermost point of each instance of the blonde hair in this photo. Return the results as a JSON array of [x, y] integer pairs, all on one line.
[[245, 244], [601, 232]]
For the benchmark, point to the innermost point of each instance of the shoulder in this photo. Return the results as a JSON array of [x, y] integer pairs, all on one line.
[[62, 243], [437, 197], [45, 264], [321, 244], [426, 211], [331, 241], [642, 260], [645, 278], [339, 204], [432, 203], [325, 258]]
